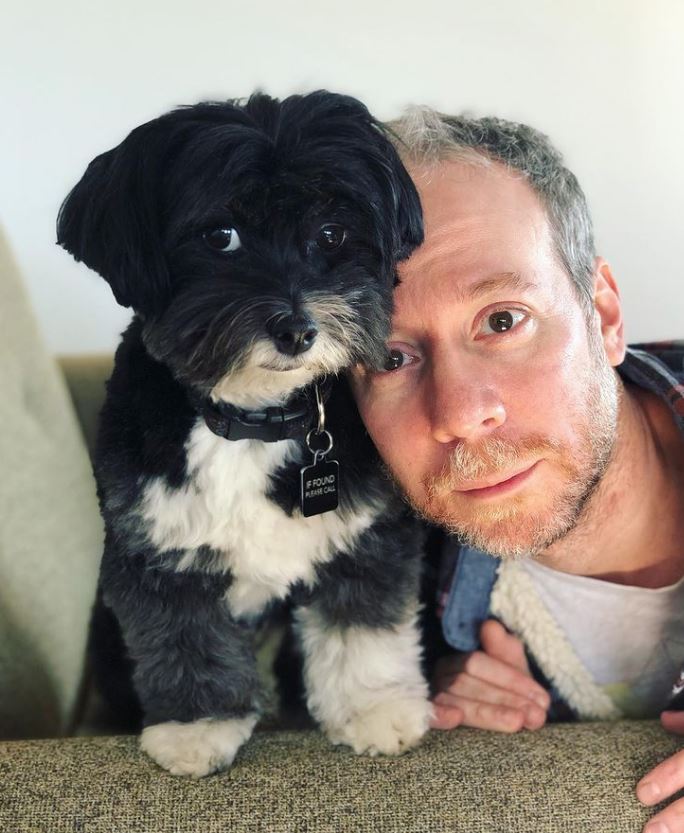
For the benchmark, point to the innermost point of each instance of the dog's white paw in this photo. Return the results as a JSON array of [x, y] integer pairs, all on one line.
[[199, 748], [388, 728]]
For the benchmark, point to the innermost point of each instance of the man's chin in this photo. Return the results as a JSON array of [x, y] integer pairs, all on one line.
[[508, 530], [505, 540]]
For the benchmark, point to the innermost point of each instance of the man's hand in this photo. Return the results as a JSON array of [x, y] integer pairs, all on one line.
[[491, 688], [664, 781]]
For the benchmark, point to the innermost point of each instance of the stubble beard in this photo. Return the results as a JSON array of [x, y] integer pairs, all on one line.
[[528, 523]]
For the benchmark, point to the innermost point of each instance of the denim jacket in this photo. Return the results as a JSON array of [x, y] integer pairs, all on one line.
[[470, 578]]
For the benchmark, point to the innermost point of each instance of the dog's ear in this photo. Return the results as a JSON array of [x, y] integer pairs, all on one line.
[[397, 214], [111, 218], [407, 231]]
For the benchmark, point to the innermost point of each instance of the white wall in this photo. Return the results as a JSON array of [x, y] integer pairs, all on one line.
[[604, 79]]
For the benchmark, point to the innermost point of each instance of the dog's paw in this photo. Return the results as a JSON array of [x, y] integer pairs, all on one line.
[[199, 748], [389, 728]]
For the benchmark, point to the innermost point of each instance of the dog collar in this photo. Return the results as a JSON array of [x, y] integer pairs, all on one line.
[[290, 422]]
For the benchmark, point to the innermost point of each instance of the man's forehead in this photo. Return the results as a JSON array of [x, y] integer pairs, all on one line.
[[456, 191], [480, 221], [480, 242], [487, 237], [437, 298]]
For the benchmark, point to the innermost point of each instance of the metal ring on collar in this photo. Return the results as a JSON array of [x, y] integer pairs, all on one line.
[[319, 452]]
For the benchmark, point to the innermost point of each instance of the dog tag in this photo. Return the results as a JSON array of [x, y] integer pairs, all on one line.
[[319, 483], [320, 486]]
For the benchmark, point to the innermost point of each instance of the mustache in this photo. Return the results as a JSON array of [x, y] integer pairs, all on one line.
[[492, 455]]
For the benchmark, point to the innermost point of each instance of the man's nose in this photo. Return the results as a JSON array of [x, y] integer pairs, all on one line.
[[465, 405]]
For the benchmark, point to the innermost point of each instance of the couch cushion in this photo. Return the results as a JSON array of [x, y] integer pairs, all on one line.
[[50, 530], [561, 779]]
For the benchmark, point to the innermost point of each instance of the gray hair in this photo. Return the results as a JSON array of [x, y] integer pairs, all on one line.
[[426, 137]]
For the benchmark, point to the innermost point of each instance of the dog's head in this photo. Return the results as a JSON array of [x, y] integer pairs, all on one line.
[[257, 241]]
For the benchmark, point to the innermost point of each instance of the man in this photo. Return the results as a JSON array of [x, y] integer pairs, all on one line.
[[503, 419]]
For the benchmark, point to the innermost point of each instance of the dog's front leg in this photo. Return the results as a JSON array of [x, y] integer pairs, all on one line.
[[364, 684], [194, 667]]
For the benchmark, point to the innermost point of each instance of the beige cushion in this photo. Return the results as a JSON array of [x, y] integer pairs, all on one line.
[[562, 779], [50, 530]]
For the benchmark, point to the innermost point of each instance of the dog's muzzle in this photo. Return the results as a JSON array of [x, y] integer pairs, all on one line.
[[293, 334]]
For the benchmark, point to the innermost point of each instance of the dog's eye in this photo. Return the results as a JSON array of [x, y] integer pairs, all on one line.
[[223, 239], [331, 236]]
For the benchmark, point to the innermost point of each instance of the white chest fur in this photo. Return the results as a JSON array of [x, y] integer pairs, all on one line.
[[224, 506]]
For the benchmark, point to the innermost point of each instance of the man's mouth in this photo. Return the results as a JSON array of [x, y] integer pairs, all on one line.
[[498, 485]]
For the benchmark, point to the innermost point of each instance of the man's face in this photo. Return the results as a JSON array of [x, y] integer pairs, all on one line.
[[500, 416]]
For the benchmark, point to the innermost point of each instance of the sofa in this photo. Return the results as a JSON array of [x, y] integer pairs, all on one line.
[[63, 768]]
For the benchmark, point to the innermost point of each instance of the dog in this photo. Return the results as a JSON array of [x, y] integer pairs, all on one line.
[[256, 242]]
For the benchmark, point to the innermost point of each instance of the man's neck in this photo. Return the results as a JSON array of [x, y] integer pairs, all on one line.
[[632, 528]]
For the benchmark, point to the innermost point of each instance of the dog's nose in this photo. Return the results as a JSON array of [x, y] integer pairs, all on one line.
[[294, 334]]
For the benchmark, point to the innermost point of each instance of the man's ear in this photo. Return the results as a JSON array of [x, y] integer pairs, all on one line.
[[609, 310], [111, 218]]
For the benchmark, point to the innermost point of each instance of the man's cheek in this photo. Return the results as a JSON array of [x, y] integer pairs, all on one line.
[[383, 434], [371, 414], [375, 403]]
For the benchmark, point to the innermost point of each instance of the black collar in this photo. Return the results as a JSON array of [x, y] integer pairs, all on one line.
[[291, 422]]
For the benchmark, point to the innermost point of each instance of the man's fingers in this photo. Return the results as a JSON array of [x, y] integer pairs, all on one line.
[[662, 781], [500, 644], [481, 715], [445, 717], [670, 820], [673, 722], [489, 689], [498, 673], [473, 691]]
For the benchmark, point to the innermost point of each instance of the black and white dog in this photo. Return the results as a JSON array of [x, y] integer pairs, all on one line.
[[256, 243]]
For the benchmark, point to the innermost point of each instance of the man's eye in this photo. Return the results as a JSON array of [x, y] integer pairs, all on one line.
[[223, 239], [396, 359], [501, 321]]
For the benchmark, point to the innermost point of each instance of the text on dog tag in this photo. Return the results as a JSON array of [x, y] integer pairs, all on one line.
[[319, 490]]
